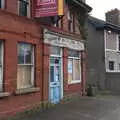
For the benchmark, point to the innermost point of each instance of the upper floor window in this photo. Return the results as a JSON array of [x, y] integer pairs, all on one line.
[[2, 4], [24, 8], [70, 21], [56, 21]]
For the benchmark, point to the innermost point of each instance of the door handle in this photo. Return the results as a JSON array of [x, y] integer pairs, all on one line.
[[55, 84]]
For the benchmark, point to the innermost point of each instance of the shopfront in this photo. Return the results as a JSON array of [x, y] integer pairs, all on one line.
[[58, 68]]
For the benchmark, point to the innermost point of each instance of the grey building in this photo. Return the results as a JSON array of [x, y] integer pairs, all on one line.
[[104, 52]]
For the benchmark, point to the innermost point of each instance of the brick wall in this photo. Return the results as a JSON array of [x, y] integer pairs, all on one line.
[[14, 29]]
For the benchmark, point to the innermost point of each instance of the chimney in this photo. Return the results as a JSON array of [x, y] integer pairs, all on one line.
[[113, 16]]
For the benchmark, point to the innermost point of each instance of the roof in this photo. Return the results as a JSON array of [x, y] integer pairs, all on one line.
[[101, 25], [81, 3]]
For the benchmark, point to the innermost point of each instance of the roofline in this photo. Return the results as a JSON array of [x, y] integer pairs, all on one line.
[[83, 4], [106, 25]]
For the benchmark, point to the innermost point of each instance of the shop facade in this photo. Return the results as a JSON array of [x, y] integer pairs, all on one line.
[[41, 60], [65, 65]]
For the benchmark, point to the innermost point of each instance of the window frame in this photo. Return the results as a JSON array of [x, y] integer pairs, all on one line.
[[32, 65], [2, 4], [75, 58], [113, 65], [2, 63], [118, 43], [28, 14], [70, 21]]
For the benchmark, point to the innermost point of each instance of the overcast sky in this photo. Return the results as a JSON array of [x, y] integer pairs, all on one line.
[[100, 7]]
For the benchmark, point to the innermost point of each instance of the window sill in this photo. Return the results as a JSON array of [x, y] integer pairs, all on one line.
[[26, 91], [113, 71], [4, 94], [75, 82]]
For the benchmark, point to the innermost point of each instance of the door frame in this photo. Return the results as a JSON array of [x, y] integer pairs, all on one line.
[[61, 81]]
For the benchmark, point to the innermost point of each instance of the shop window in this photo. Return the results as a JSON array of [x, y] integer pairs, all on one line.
[[111, 65], [1, 66], [74, 67], [24, 8], [25, 71]]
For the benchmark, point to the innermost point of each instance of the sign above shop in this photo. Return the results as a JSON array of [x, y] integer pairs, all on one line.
[[46, 8], [55, 40]]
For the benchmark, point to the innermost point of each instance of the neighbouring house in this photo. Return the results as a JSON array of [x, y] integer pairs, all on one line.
[[104, 51], [42, 52]]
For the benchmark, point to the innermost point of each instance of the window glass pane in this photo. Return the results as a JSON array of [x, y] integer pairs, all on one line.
[[1, 81], [28, 54], [0, 4], [73, 53], [76, 69], [24, 77], [55, 50], [0, 52], [70, 70], [23, 8], [51, 73], [21, 52], [111, 65]]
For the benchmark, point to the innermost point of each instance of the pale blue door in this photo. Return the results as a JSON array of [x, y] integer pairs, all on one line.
[[55, 80]]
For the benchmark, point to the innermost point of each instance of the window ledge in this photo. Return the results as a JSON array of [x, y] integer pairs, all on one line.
[[75, 82], [26, 91], [4, 94]]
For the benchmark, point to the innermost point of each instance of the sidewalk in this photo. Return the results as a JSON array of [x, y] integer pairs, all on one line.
[[83, 108]]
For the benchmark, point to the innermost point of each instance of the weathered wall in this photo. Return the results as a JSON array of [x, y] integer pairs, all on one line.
[[96, 64], [14, 29], [113, 82]]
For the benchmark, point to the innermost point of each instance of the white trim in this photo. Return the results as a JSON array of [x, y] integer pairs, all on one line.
[[33, 67], [111, 50], [62, 90], [77, 58], [29, 9], [2, 63], [75, 82]]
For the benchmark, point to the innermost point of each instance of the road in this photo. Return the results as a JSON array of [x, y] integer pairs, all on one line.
[[83, 108]]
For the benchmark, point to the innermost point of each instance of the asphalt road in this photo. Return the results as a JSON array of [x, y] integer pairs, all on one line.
[[83, 108]]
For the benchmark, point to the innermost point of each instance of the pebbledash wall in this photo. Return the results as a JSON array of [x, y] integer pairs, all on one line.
[[16, 29]]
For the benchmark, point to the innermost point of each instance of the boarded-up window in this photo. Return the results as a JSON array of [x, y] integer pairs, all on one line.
[[25, 72]]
